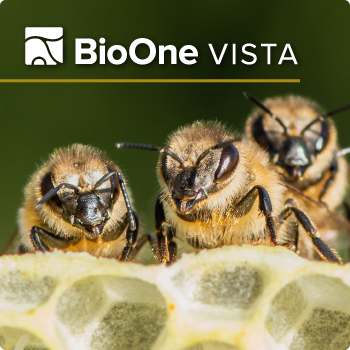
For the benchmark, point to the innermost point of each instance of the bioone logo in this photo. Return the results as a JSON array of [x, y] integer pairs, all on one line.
[[44, 45]]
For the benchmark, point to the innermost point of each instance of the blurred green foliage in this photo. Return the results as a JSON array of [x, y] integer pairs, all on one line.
[[36, 118]]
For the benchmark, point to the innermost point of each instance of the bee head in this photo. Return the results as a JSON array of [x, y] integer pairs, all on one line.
[[293, 149], [81, 203], [194, 179], [193, 170]]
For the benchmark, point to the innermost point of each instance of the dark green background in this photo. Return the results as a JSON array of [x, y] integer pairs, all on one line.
[[36, 118]]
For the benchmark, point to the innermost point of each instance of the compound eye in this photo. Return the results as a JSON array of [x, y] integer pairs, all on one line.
[[164, 168], [114, 185], [260, 135], [46, 186], [323, 139], [228, 163]]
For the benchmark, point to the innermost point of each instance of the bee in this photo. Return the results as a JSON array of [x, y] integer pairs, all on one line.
[[77, 201], [301, 140], [217, 189]]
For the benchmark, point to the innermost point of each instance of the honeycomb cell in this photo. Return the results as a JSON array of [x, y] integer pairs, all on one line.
[[19, 292], [129, 326], [286, 308], [212, 345], [324, 329], [10, 337], [80, 304], [231, 287], [119, 312], [311, 313], [136, 317]]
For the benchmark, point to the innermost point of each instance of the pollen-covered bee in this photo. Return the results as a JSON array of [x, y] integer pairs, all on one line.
[[218, 189], [77, 201], [301, 140]]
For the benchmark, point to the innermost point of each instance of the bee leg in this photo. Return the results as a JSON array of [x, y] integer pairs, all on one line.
[[156, 243], [172, 246], [45, 241], [146, 238], [321, 247], [163, 251], [131, 238], [161, 246], [334, 170], [285, 214], [36, 241], [131, 233], [289, 203], [296, 237], [265, 208], [165, 248]]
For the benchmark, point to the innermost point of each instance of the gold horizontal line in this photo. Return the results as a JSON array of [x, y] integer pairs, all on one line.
[[149, 80]]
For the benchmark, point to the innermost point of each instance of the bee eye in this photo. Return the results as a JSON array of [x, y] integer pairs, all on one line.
[[114, 185], [46, 186], [259, 134], [164, 169], [228, 163], [323, 139]]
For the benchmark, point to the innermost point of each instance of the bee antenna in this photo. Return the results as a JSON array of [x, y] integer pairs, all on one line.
[[343, 152], [321, 117], [49, 194], [149, 148], [221, 144], [104, 179], [341, 109], [132, 220], [265, 109]]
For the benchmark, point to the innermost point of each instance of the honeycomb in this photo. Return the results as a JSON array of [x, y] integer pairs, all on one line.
[[232, 298]]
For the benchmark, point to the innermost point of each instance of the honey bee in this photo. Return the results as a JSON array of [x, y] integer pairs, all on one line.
[[77, 201], [217, 189], [301, 140]]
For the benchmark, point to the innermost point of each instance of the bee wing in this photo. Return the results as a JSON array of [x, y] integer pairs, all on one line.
[[331, 219], [13, 244]]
